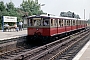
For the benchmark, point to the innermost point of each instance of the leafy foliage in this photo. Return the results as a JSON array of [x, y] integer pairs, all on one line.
[[29, 7]]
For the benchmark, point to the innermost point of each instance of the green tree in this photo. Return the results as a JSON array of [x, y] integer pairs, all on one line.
[[32, 7], [2, 6], [2, 10], [10, 5], [13, 11]]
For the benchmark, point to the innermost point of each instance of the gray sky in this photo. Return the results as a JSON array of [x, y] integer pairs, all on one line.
[[57, 6]]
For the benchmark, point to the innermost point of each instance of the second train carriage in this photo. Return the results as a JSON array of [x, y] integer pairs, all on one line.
[[43, 28]]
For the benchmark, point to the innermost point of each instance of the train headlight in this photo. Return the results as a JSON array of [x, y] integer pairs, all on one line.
[[37, 29]]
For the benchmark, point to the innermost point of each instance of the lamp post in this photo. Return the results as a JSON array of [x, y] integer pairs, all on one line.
[[84, 13], [89, 15], [41, 5]]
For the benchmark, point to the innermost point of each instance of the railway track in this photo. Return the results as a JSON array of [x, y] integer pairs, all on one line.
[[48, 51], [70, 53], [55, 55]]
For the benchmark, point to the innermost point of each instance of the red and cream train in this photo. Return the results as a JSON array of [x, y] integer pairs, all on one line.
[[44, 28]]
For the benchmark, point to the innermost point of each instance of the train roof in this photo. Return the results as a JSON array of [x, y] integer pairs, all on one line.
[[59, 17], [83, 19]]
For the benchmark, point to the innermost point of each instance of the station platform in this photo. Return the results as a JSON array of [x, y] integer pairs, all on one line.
[[84, 53], [12, 34]]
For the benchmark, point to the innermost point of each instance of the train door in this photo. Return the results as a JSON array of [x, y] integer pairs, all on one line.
[[76, 24], [53, 26]]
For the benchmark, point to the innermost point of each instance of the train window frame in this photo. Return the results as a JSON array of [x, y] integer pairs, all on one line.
[[60, 23], [73, 22], [36, 22], [30, 22], [65, 22], [51, 22], [76, 22], [46, 21], [69, 22], [54, 22]]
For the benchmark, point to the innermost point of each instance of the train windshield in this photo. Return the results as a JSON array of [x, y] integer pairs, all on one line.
[[38, 22]]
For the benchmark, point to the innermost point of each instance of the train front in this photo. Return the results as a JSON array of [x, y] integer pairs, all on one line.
[[38, 29]]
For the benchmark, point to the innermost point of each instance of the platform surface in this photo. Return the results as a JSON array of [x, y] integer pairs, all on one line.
[[84, 53], [12, 34]]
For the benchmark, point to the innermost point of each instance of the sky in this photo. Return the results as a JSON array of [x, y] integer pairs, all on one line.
[[56, 6]]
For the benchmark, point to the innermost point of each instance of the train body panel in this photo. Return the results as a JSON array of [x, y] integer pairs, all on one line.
[[39, 31], [68, 28], [61, 30], [74, 27], [79, 26], [53, 31]]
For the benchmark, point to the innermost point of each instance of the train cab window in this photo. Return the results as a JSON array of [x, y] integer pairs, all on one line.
[[37, 22], [34, 22], [46, 22]]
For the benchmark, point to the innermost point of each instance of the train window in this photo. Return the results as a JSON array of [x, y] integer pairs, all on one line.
[[55, 22], [61, 23], [68, 22], [29, 22], [65, 22], [51, 22], [76, 22], [80, 22], [35, 22], [73, 22], [46, 22]]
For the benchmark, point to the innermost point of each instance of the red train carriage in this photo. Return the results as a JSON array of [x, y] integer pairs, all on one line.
[[43, 28]]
